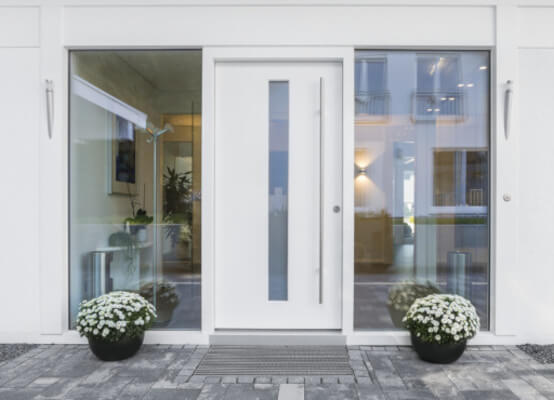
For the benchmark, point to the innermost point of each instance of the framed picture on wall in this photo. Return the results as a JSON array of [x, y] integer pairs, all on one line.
[[122, 157]]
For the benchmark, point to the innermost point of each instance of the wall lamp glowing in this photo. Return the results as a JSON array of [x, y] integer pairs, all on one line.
[[360, 171]]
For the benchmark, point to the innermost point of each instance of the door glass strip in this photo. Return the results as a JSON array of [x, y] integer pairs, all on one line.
[[278, 189]]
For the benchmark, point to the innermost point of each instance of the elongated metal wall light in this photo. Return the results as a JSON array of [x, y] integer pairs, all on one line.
[[50, 106], [507, 108]]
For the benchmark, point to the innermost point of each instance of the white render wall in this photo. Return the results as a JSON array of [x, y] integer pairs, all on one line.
[[35, 35]]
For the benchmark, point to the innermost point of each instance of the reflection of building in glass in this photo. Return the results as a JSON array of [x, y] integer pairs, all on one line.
[[421, 184]]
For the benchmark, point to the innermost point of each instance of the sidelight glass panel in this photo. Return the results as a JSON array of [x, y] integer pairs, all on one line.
[[134, 176], [278, 189], [421, 182]]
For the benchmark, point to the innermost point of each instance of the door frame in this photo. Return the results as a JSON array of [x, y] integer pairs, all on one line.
[[212, 55]]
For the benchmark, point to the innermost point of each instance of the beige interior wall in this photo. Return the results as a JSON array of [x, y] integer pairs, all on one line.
[[187, 128]]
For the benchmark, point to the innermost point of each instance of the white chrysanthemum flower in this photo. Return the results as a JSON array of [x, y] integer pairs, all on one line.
[[107, 316], [450, 317]]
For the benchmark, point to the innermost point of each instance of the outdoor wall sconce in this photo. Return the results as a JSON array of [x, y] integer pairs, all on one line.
[[362, 160], [360, 171]]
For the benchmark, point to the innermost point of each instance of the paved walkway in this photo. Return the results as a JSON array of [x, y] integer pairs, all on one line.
[[167, 372]]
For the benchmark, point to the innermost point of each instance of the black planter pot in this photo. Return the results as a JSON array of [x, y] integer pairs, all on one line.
[[115, 351], [438, 353]]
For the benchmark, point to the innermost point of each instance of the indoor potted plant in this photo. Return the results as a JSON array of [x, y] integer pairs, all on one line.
[[114, 324], [138, 223], [440, 325], [403, 295]]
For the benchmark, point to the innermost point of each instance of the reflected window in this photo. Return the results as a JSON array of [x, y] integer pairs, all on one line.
[[134, 177], [460, 178], [421, 184], [439, 93], [372, 97]]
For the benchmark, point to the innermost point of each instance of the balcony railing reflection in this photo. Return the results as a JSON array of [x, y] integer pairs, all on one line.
[[432, 106], [373, 106]]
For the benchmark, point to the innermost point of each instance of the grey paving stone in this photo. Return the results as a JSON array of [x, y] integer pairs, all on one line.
[[523, 390], [18, 394], [44, 381], [172, 394], [136, 389], [370, 392], [542, 384], [212, 379], [168, 380], [249, 392], [191, 386], [411, 395], [262, 379], [363, 380], [389, 380], [264, 386], [295, 379], [197, 379], [278, 379], [330, 379], [312, 380], [291, 391], [330, 392], [59, 389], [441, 386], [346, 379], [246, 379], [489, 395], [213, 392], [229, 379]]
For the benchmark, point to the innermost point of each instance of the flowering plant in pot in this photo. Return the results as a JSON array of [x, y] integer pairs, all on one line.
[[440, 325], [403, 295], [114, 324]]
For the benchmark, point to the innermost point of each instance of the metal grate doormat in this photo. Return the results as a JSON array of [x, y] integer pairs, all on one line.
[[275, 360]]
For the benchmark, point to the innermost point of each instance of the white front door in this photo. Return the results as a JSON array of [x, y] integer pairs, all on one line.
[[278, 195]]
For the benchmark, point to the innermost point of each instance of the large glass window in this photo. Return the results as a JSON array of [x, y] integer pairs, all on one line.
[[421, 182], [134, 176]]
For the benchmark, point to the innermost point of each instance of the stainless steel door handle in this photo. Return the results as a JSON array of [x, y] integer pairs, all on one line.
[[50, 106], [508, 108]]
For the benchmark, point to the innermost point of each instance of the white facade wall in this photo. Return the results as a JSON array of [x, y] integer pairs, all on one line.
[[34, 40]]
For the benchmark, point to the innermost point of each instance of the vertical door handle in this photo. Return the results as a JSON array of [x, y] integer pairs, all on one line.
[[321, 182], [508, 108], [50, 106]]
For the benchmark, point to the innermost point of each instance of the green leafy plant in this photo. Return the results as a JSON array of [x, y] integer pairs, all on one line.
[[177, 206], [115, 315], [140, 218]]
